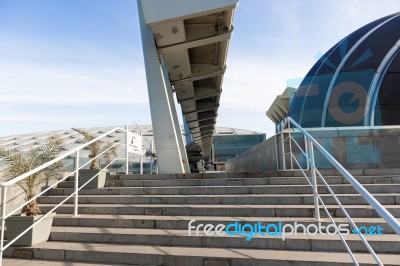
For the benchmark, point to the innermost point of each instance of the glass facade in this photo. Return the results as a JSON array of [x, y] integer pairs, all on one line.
[[226, 147]]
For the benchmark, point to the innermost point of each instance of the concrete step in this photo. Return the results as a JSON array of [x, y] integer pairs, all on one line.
[[296, 173], [172, 237], [143, 220], [218, 175], [122, 181], [193, 256], [115, 181], [181, 222], [219, 210], [208, 175], [233, 190], [286, 199], [30, 262], [273, 179]]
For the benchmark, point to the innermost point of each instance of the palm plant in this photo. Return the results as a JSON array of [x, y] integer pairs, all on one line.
[[96, 148], [18, 164]]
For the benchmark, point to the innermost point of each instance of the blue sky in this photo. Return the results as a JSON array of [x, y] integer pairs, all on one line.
[[79, 63]]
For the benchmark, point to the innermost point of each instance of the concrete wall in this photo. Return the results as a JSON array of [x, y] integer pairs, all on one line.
[[353, 147], [261, 157]]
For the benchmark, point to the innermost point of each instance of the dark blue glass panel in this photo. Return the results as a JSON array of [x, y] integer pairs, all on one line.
[[372, 50], [346, 105], [314, 101], [388, 102], [341, 49]]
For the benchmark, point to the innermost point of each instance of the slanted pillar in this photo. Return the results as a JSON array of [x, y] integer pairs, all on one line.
[[171, 155]]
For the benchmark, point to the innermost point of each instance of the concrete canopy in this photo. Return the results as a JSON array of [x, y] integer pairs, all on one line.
[[280, 107], [192, 41]]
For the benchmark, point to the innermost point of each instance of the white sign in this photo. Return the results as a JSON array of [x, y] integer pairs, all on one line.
[[134, 143]]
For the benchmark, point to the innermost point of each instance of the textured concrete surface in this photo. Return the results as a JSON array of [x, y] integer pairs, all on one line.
[[145, 221], [165, 255], [21, 262]]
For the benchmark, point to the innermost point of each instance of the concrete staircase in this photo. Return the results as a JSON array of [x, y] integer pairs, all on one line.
[[143, 220]]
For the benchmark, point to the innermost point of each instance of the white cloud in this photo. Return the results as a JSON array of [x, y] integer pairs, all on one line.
[[28, 82], [288, 11], [49, 118], [275, 40], [364, 11], [3, 108], [44, 87], [250, 86], [255, 81]]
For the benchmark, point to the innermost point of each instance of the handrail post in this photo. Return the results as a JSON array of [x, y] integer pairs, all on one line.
[[290, 147], [276, 151], [314, 181], [76, 184], [126, 150], [306, 151], [283, 151], [141, 153], [3, 220], [152, 158]]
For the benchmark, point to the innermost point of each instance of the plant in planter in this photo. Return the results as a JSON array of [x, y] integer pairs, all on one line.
[[95, 149], [18, 164]]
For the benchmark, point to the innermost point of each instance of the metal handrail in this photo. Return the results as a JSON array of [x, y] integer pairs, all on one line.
[[310, 142], [382, 211], [5, 184], [328, 214], [58, 205], [43, 166], [365, 242]]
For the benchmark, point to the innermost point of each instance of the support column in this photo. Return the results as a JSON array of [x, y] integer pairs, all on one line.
[[171, 158], [176, 121]]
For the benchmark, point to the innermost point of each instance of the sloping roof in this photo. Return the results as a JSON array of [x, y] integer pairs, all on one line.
[[72, 138]]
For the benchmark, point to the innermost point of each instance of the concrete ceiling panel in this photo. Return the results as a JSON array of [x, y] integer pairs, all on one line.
[[191, 116], [168, 33], [178, 65], [184, 91], [188, 106]]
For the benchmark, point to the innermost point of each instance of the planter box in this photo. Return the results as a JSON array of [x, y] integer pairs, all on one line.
[[98, 182], [15, 225]]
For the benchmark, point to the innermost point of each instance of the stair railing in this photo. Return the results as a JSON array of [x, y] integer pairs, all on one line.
[[308, 152], [75, 194]]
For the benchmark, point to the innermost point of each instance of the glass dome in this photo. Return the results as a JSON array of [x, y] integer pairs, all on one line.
[[355, 83]]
